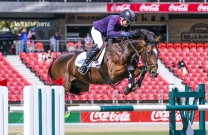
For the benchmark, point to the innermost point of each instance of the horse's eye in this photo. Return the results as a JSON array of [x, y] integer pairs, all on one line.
[[148, 52]]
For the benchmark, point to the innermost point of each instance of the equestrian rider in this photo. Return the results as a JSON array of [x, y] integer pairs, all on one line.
[[110, 26]]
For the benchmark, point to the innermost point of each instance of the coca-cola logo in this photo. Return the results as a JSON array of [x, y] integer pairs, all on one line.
[[152, 7], [120, 7], [163, 116], [109, 116], [181, 7], [201, 7]]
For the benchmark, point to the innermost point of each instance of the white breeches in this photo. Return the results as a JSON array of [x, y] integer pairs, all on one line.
[[97, 37]]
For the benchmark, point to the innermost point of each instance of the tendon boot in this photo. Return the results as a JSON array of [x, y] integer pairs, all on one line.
[[91, 55]]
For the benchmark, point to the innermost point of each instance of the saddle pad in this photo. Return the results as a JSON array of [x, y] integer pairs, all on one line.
[[82, 56]]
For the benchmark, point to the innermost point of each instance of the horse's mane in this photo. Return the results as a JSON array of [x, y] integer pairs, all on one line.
[[136, 34]]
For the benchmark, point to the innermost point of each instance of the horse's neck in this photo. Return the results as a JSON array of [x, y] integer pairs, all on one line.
[[121, 52]]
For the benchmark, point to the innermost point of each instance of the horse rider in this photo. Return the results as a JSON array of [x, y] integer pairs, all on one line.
[[110, 26]]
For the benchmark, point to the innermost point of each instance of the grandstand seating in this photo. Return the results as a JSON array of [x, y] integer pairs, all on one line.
[[195, 57], [15, 81]]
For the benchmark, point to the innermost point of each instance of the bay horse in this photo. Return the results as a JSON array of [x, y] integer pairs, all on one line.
[[119, 62]]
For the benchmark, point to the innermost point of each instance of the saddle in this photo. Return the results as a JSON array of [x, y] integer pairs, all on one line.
[[106, 41]]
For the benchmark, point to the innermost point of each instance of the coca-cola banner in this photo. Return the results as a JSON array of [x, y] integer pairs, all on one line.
[[154, 116], [159, 7]]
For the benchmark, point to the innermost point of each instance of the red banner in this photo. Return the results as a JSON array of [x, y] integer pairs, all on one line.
[[162, 7], [154, 116]]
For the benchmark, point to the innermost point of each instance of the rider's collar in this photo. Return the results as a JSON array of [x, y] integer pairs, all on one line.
[[120, 21]]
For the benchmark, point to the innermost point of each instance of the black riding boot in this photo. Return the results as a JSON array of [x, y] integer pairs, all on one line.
[[84, 68]]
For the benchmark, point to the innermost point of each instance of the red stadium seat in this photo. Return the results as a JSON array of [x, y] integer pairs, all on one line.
[[177, 45], [192, 44], [171, 49], [206, 44], [12, 97], [150, 96], [26, 59], [29, 54], [105, 97], [39, 46], [135, 97], [82, 97], [143, 97], [165, 96], [22, 55], [178, 49], [199, 49], [192, 49], [184, 44], [161, 45], [128, 97], [70, 46], [120, 97], [199, 45], [169, 45], [103, 87], [163, 50], [206, 49], [97, 97], [185, 49], [30, 64]]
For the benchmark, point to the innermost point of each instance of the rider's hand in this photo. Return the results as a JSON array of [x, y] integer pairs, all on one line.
[[125, 34]]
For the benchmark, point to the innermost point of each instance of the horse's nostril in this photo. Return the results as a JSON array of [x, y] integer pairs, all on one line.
[[153, 74]]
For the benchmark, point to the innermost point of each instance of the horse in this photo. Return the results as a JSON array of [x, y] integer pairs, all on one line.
[[119, 62]]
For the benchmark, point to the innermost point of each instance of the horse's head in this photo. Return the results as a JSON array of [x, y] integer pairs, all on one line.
[[148, 51], [149, 57]]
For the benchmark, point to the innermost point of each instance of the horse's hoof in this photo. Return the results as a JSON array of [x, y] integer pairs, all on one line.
[[127, 90], [135, 87]]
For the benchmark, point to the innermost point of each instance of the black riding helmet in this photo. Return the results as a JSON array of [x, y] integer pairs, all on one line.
[[129, 15]]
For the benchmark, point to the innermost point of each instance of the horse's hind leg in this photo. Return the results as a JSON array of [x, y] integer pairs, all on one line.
[[78, 86]]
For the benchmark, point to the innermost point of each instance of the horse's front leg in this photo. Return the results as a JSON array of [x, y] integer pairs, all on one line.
[[138, 83], [131, 84]]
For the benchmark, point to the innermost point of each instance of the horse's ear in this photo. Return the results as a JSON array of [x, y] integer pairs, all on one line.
[[157, 39]]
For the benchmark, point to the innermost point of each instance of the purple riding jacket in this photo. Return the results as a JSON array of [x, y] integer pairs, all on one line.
[[110, 27]]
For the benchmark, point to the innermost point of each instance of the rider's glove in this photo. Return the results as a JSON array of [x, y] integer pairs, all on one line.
[[125, 34]]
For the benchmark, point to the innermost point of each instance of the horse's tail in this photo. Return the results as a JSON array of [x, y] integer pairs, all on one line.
[[49, 72]]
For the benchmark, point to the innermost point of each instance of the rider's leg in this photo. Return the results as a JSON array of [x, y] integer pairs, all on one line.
[[97, 37]]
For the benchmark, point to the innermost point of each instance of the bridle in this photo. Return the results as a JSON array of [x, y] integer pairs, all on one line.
[[146, 64], [147, 68]]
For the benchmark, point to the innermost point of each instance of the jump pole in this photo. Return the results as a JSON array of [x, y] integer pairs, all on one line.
[[137, 108]]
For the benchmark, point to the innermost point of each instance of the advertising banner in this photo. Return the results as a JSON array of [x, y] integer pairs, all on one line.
[[18, 117], [149, 116], [160, 7], [73, 117]]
